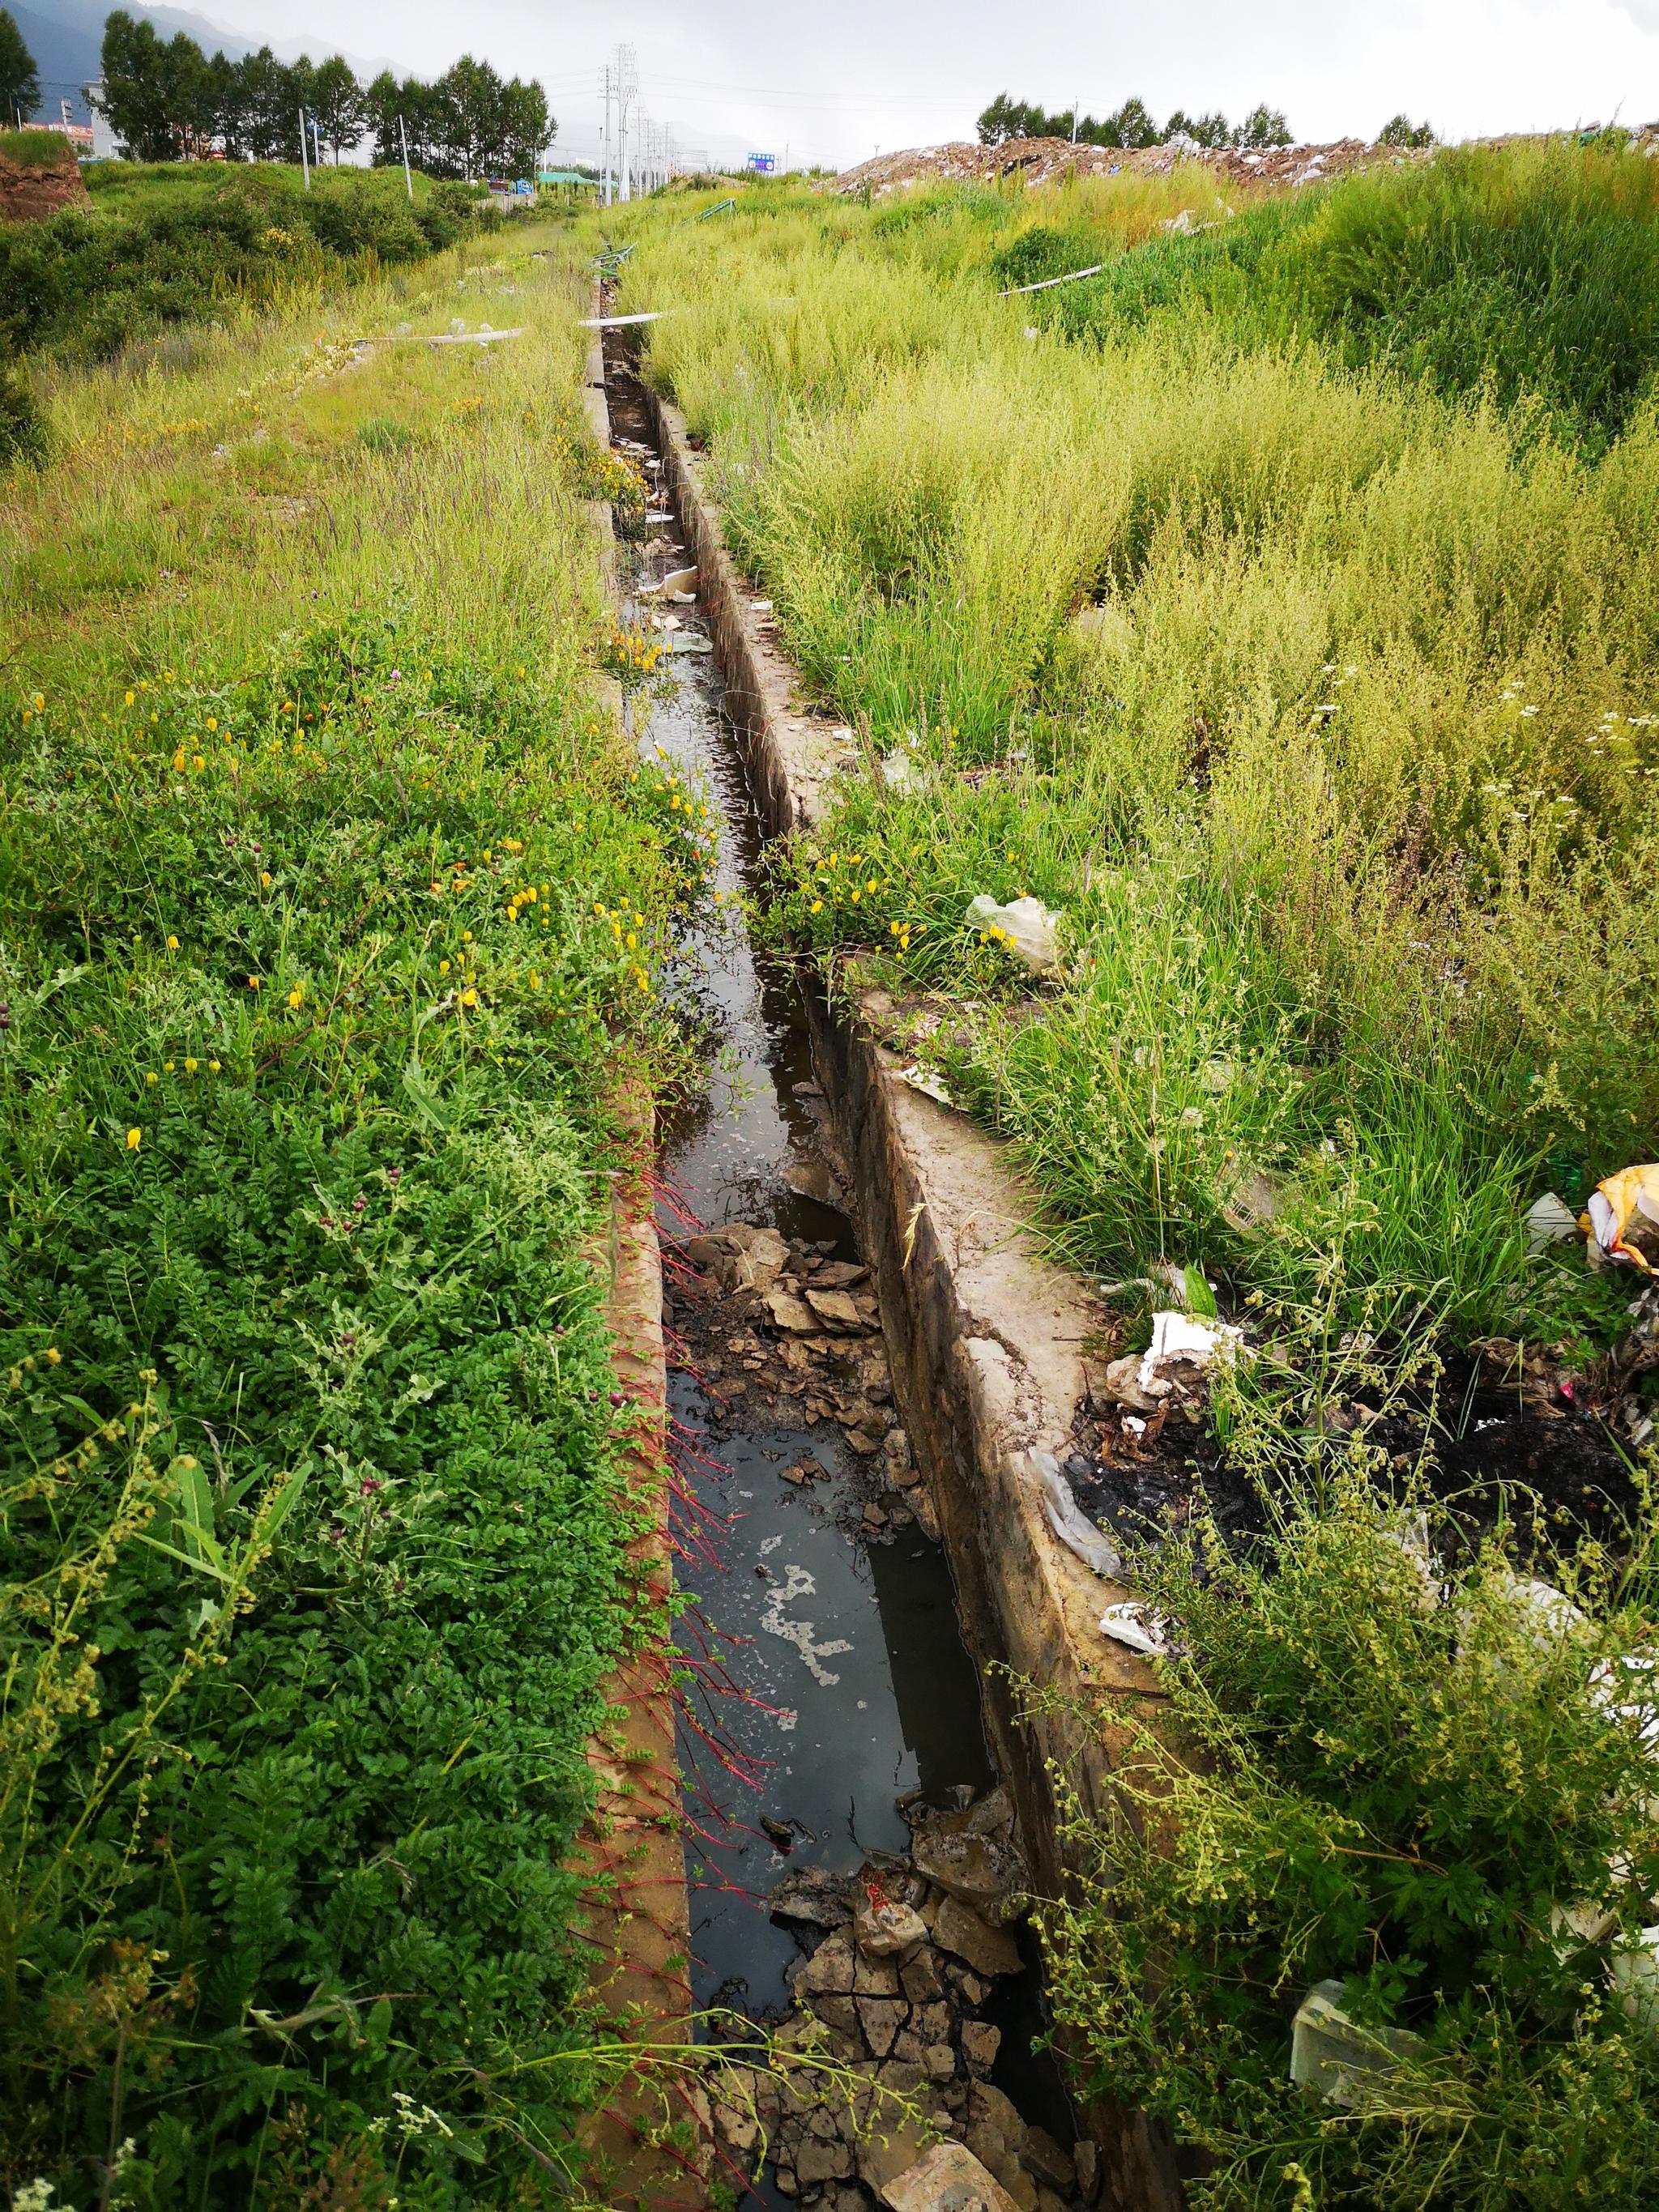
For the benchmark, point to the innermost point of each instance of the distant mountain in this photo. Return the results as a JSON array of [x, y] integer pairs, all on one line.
[[66, 46]]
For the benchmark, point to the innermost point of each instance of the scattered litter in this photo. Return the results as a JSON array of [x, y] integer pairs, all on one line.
[[1049, 161], [1132, 1623], [675, 580], [1254, 1201], [1329, 2048], [1549, 1221], [617, 322], [1070, 278], [1177, 1364], [1611, 1681], [1025, 925], [1067, 1518], [659, 515], [898, 771], [760, 606], [688, 640], [1635, 1975], [1413, 1540], [1624, 1217], [1179, 1338], [930, 1084], [451, 337]]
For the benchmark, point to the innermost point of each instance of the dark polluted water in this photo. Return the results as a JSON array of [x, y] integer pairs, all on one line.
[[844, 1681]]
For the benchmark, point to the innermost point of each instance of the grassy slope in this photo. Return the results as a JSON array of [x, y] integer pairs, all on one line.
[[314, 1556], [1348, 793]]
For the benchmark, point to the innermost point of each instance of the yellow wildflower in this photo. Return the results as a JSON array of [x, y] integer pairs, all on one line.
[[135, 1138]]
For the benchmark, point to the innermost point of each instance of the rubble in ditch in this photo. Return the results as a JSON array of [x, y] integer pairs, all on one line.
[[759, 1316], [898, 1964]]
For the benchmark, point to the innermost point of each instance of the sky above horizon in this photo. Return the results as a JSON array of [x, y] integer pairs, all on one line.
[[832, 86]]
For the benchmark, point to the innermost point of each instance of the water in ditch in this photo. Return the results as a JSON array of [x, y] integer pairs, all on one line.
[[849, 1685], [831, 1680]]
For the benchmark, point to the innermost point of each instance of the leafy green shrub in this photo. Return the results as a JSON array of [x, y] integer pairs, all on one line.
[[83, 285], [1045, 251], [316, 1549], [1366, 1776], [23, 432]]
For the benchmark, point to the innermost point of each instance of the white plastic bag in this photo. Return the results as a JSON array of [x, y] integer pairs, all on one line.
[[1026, 926]]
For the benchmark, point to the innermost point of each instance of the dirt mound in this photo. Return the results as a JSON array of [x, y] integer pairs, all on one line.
[[1047, 160], [32, 190]]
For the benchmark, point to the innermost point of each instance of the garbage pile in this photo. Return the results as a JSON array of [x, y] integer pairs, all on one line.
[[1049, 161], [899, 1963]]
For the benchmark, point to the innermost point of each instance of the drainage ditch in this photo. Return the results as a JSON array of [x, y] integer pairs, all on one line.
[[850, 1851]]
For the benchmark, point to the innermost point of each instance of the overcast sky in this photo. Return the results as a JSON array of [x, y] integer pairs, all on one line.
[[832, 84]]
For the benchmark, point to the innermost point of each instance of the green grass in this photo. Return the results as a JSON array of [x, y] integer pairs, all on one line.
[[1366, 695], [36, 148], [316, 1547]]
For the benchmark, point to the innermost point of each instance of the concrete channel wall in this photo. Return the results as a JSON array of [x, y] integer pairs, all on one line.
[[988, 1341]]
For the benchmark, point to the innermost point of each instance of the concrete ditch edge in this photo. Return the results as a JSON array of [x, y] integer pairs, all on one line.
[[630, 1852], [988, 1341]]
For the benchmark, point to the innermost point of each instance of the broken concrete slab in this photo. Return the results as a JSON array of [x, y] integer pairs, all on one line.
[[947, 2178], [987, 1950]]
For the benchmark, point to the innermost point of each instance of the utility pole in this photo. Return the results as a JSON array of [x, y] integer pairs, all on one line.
[[403, 140], [1076, 105], [627, 86], [304, 166], [604, 141]]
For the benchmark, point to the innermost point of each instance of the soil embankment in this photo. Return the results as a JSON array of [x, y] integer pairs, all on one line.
[[31, 190]]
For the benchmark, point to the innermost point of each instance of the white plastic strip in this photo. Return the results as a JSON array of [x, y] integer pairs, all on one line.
[[1071, 277]]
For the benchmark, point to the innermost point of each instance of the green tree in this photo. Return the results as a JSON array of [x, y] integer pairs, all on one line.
[[19, 80], [1134, 126], [1400, 131], [162, 97], [527, 127], [1212, 130], [268, 95], [133, 99], [338, 103], [1263, 126]]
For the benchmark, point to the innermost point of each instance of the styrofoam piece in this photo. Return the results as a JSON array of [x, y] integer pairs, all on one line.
[[1131, 1623], [1203, 1343]]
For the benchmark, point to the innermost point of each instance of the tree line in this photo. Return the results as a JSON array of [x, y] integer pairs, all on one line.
[[1131, 124], [166, 100]]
